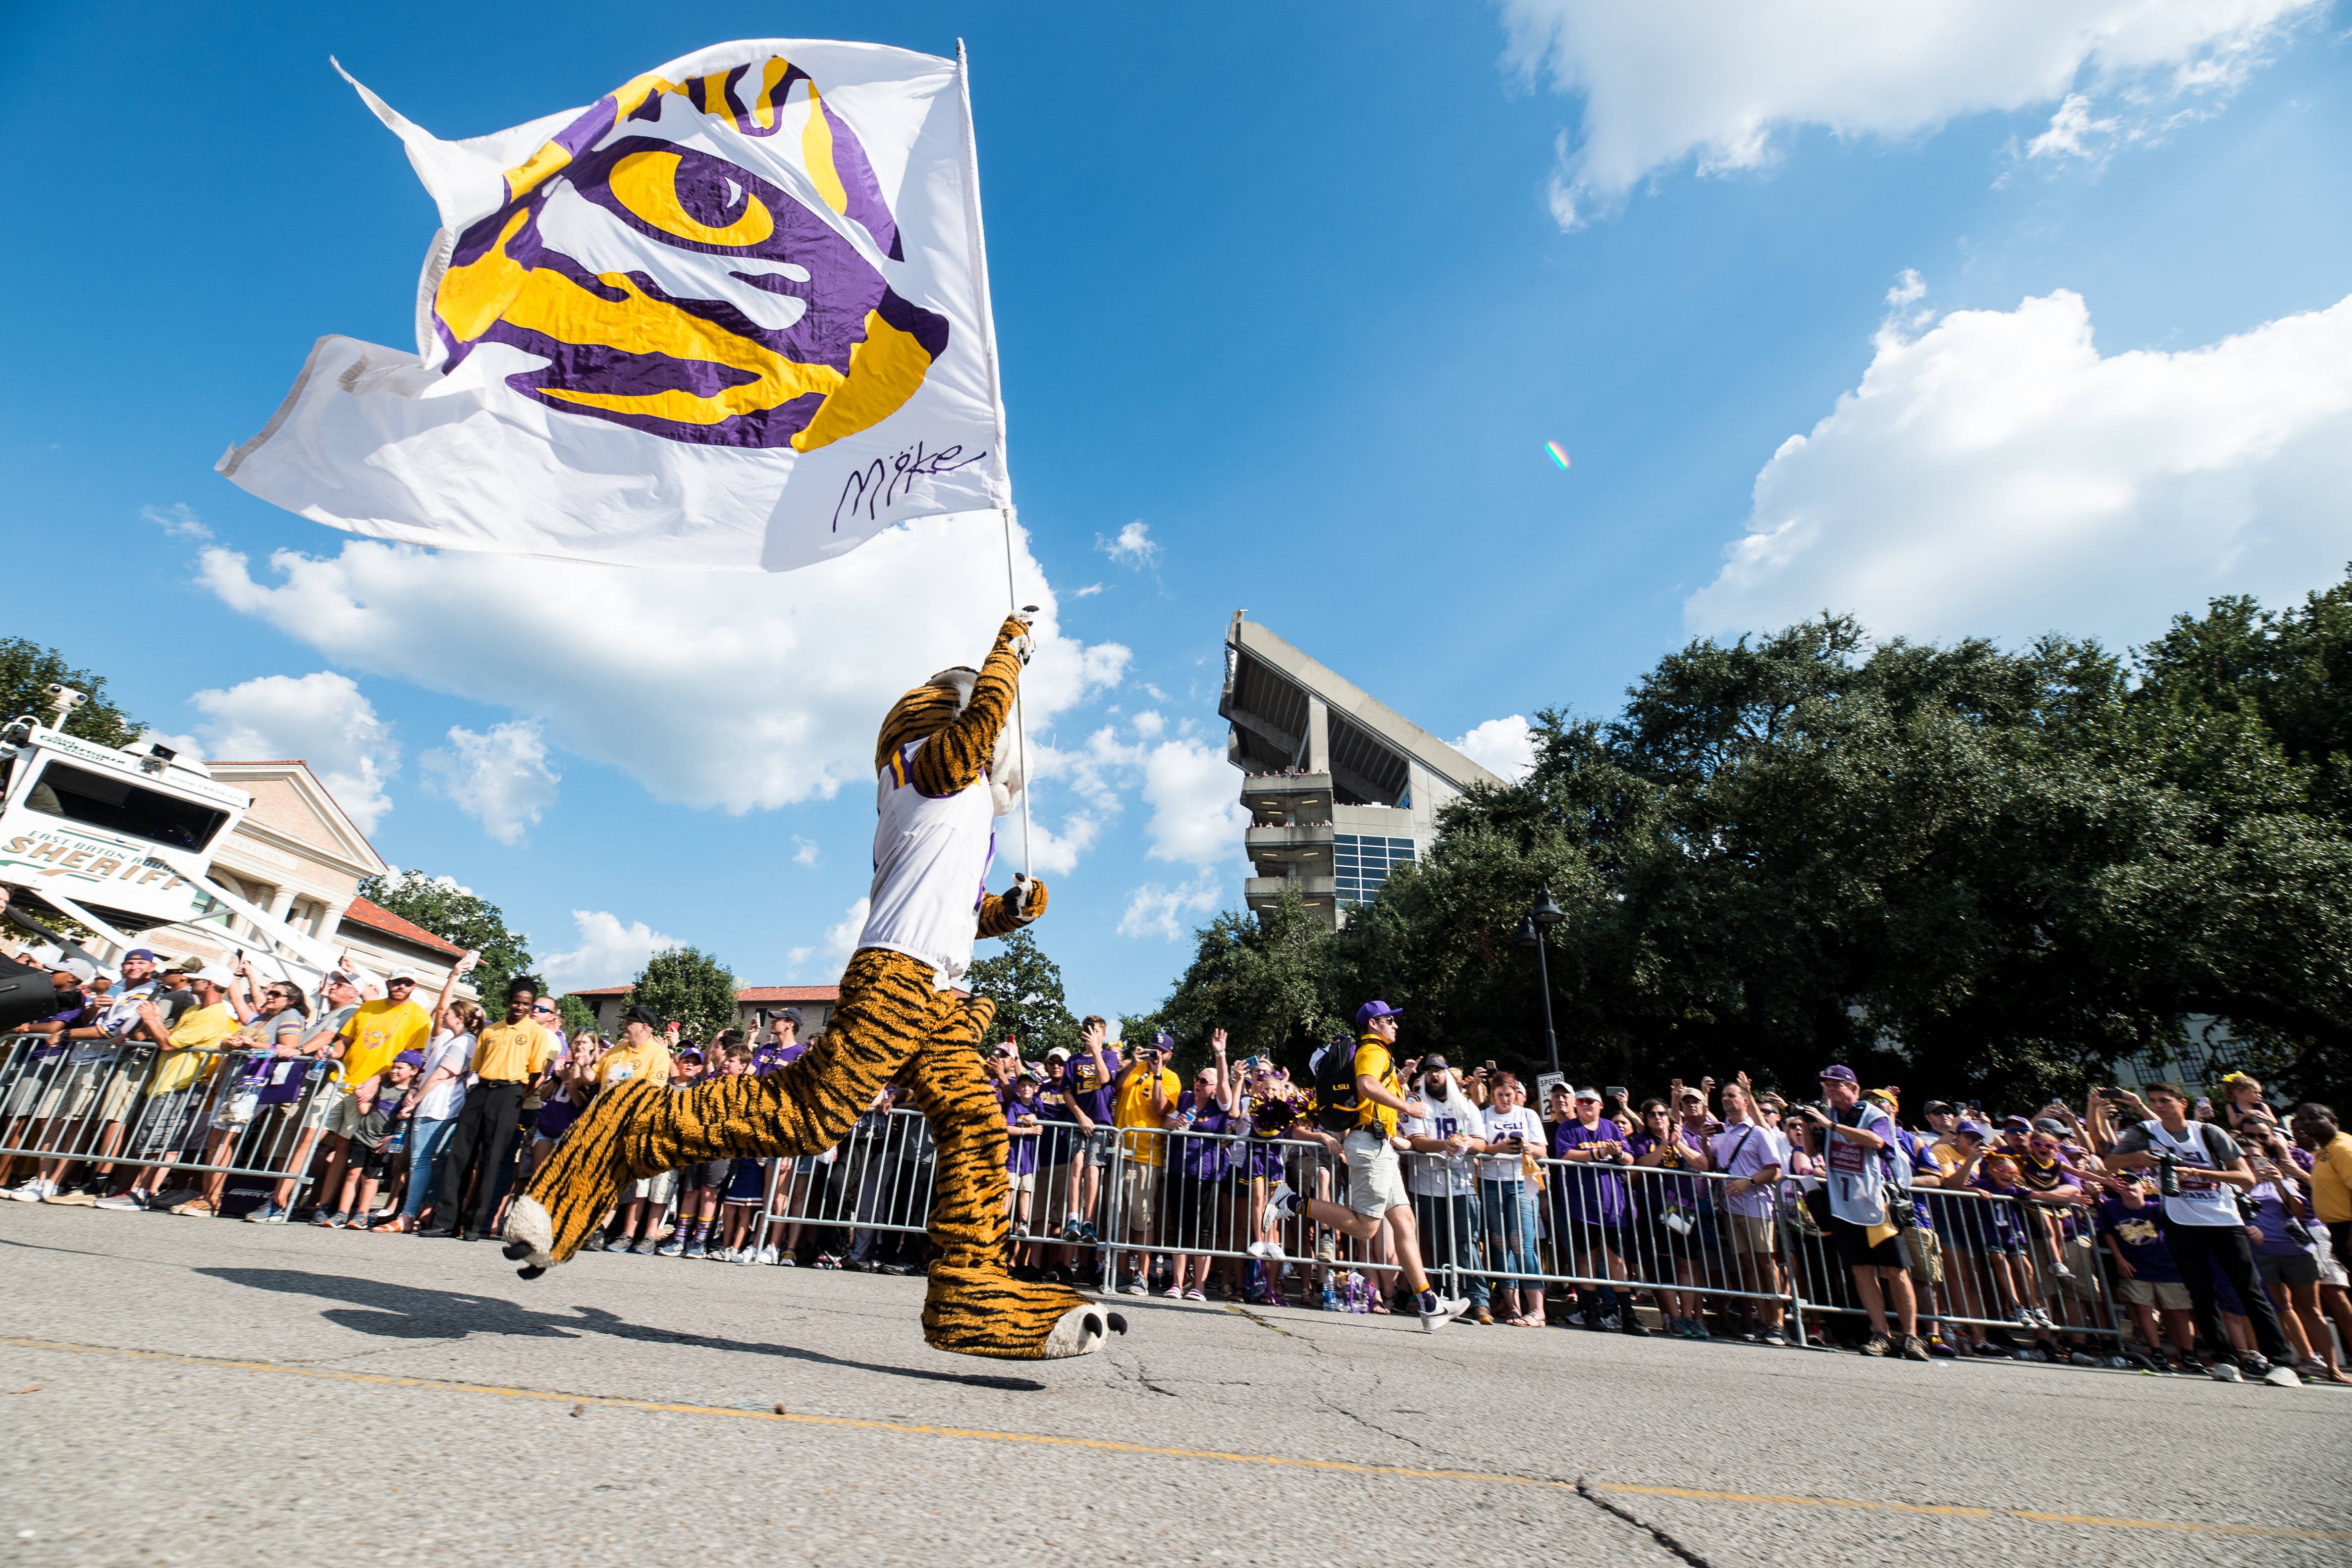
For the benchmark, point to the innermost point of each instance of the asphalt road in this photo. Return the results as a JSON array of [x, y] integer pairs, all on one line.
[[202, 1392]]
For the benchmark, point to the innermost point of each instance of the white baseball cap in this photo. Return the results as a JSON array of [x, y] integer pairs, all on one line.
[[218, 974]]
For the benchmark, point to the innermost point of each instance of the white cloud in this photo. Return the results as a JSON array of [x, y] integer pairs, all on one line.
[[1169, 913], [1149, 725], [2070, 130], [1133, 547], [1666, 80], [1089, 591], [1195, 798], [1908, 287], [739, 690], [840, 942], [804, 851], [321, 719], [1503, 747], [1995, 475], [501, 778], [178, 519], [610, 953]]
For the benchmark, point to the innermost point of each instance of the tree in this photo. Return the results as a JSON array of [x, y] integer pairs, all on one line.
[[1026, 986], [459, 914], [1968, 870], [1268, 981], [26, 668], [577, 1015], [688, 985]]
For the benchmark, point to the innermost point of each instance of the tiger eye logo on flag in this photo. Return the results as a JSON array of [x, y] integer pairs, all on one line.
[[731, 316], [660, 254]]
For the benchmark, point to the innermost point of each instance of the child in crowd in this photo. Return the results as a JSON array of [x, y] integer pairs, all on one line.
[[2008, 1252], [375, 1138], [1023, 1127]]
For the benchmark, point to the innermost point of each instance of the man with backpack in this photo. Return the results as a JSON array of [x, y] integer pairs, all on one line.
[[1361, 1097], [2202, 1173]]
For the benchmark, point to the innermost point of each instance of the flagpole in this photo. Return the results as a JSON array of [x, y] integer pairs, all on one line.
[[979, 238]]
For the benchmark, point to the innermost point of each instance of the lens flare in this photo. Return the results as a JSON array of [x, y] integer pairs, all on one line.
[[1559, 453]]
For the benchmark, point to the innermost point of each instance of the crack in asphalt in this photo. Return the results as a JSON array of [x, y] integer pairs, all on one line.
[[1628, 1516]]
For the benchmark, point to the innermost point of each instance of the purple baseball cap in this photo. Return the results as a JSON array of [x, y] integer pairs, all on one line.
[[1976, 1130], [1376, 1010], [1835, 1074], [413, 1058], [138, 953]]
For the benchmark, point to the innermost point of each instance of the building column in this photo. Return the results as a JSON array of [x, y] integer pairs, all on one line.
[[1318, 735]]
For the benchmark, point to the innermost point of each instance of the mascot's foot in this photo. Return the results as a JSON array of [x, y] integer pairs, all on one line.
[[987, 1311], [529, 1236]]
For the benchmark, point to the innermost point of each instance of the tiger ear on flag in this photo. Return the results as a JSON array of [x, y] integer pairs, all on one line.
[[728, 314]]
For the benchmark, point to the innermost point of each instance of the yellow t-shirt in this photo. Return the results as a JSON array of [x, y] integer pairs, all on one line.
[[1131, 1107], [185, 1064], [624, 1062], [379, 1031], [2331, 1179], [1372, 1061], [508, 1052]]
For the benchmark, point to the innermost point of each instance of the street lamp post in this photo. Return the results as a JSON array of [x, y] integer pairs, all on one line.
[[1545, 915]]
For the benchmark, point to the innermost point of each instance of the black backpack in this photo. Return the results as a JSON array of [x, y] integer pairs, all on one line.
[[1335, 1086]]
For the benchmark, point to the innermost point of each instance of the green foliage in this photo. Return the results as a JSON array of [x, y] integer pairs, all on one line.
[[690, 985], [458, 915], [1016, 972], [27, 667], [577, 1015], [1960, 869], [1268, 982]]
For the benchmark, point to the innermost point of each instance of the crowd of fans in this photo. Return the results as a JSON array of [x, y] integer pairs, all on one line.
[[2144, 1228]]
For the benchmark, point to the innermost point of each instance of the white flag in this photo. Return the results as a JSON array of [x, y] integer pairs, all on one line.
[[734, 315]]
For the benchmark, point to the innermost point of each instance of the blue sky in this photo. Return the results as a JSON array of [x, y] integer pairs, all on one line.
[[1303, 292]]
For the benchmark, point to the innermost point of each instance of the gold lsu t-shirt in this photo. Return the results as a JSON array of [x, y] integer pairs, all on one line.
[[379, 1031], [1373, 1062]]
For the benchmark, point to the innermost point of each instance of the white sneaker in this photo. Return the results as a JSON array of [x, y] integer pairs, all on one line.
[[1269, 1250], [746, 1254], [765, 1255], [1448, 1308], [1281, 1204], [2227, 1372], [33, 1191], [121, 1200], [2282, 1377]]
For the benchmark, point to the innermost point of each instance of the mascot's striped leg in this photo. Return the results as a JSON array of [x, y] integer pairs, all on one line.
[[640, 1128], [975, 1307]]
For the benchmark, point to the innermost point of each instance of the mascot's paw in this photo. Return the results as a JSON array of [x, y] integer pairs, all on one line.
[[1081, 1333], [530, 1237], [986, 1311]]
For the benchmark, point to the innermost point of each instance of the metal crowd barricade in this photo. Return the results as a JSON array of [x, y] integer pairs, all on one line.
[[1122, 1193], [1684, 1240], [207, 1111], [1978, 1260]]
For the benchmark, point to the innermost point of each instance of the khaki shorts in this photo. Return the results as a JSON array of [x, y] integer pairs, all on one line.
[[1375, 1177], [650, 1190], [333, 1112], [1138, 1191], [1023, 1181], [114, 1105], [2168, 1295], [1750, 1232], [74, 1095]]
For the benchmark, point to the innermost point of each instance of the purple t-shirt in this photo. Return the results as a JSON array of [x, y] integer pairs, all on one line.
[[1092, 1091], [768, 1058], [1201, 1158], [1594, 1196], [1021, 1154], [2139, 1236]]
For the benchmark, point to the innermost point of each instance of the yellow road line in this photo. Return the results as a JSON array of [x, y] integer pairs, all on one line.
[[853, 1423]]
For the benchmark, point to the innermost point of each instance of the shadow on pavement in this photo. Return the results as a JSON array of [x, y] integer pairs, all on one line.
[[404, 1311]]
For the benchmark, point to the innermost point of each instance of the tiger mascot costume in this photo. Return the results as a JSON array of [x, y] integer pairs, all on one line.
[[941, 786]]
